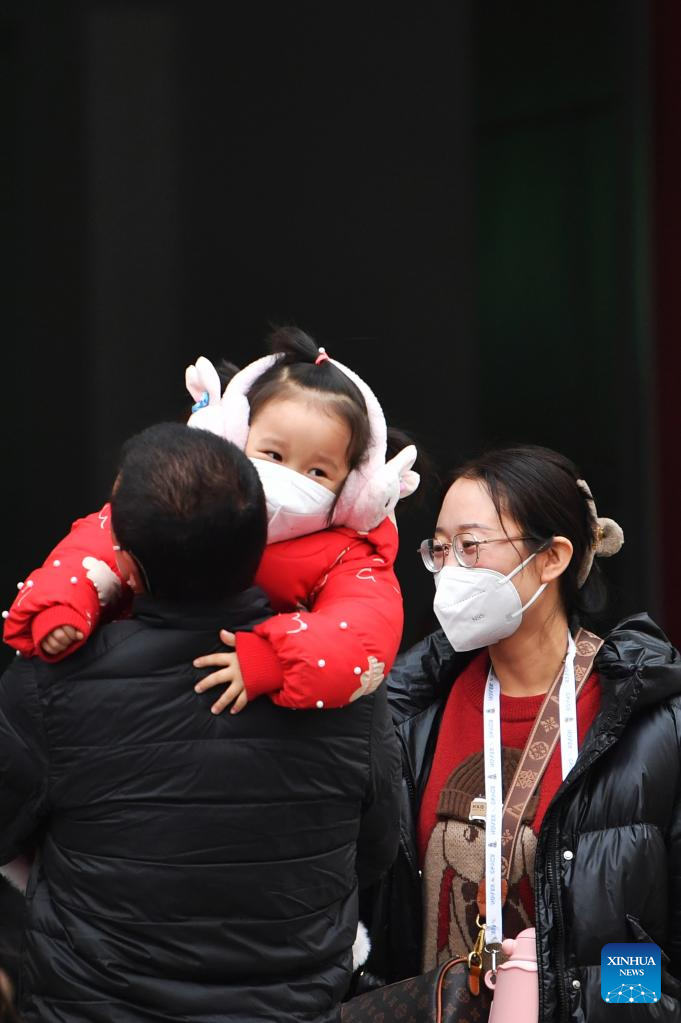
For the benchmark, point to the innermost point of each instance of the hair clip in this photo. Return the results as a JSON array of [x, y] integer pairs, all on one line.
[[201, 403], [608, 536], [321, 357]]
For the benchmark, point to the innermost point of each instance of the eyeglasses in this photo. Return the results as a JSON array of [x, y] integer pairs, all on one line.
[[466, 549]]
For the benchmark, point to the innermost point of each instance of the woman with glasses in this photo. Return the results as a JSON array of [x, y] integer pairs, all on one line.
[[541, 785]]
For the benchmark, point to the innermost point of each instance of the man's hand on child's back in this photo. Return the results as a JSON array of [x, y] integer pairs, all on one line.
[[60, 639], [229, 674]]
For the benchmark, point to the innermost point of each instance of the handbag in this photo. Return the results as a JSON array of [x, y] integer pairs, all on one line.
[[452, 992], [439, 996]]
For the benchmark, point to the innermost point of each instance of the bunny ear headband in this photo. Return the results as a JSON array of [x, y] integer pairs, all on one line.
[[608, 536], [371, 490]]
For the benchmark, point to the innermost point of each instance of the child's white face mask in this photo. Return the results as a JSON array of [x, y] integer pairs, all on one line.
[[296, 504]]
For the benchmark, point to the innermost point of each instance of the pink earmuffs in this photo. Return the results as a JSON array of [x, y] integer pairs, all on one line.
[[371, 490]]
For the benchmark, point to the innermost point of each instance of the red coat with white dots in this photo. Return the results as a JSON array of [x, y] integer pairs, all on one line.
[[336, 635]]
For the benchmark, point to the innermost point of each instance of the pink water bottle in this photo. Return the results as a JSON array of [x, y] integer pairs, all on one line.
[[516, 991]]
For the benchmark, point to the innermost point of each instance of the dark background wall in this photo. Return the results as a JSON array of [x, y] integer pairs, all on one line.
[[562, 236], [458, 199], [666, 266]]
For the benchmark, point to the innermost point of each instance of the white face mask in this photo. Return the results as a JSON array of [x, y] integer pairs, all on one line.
[[296, 504], [477, 607]]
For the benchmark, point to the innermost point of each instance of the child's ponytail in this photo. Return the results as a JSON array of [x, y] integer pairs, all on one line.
[[294, 345]]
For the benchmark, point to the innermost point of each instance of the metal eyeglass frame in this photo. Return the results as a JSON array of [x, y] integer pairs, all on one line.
[[426, 551]]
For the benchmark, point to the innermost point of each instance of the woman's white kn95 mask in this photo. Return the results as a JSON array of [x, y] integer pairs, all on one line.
[[477, 607]]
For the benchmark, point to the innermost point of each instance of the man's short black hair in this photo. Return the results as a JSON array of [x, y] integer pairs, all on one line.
[[190, 508]]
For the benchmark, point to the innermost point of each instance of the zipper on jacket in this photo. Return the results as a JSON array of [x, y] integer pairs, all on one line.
[[407, 844], [412, 791], [411, 788], [553, 875]]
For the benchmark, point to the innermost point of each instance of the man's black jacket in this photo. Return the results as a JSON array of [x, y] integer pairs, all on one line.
[[191, 867]]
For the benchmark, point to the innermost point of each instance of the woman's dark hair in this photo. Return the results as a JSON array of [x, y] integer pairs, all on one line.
[[189, 507], [537, 488], [297, 369]]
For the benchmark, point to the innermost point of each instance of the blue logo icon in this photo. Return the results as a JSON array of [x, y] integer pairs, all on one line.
[[630, 973]]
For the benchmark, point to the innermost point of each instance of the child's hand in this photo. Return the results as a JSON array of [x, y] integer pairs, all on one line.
[[229, 674], [60, 639]]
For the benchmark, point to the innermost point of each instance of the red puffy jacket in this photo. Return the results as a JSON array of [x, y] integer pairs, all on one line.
[[337, 645]]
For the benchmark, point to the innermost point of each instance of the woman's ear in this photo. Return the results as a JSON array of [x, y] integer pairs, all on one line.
[[555, 559]]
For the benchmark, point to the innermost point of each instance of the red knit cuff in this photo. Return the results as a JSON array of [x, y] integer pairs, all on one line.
[[260, 667], [47, 621]]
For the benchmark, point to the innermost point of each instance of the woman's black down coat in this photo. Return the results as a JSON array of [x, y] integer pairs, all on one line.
[[618, 812]]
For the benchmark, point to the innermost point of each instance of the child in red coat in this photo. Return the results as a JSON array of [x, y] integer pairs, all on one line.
[[317, 436]]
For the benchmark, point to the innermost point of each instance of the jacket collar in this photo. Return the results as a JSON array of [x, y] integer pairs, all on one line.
[[241, 612], [639, 668]]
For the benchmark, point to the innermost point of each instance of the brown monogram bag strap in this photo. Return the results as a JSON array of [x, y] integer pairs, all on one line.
[[539, 747]]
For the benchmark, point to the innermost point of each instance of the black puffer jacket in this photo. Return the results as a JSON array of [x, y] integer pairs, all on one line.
[[192, 867], [618, 814]]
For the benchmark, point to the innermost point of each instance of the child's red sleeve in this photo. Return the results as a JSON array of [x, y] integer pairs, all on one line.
[[340, 649], [78, 584]]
